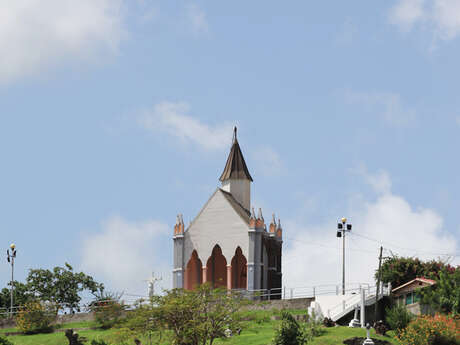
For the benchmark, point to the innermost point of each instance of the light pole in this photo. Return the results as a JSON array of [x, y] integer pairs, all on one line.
[[10, 258], [342, 228]]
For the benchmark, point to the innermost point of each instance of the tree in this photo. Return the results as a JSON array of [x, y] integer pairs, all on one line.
[[195, 317], [107, 309], [61, 286], [290, 332], [399, 270], [36, 317], [21, 295], [444, 296]]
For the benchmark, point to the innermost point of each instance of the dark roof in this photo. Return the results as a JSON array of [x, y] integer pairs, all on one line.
[[243, 213], [235, 168]]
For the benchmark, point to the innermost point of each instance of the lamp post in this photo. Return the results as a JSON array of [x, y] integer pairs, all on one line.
[[10, 257], [342, 228]]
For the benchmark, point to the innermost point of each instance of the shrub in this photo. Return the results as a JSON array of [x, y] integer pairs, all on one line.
[[380, 327], [36, 317], [327, 322], [313, 327], [107, 309], [429, 330], [289, 332], [398, 318], [98, 342], [4, 341]]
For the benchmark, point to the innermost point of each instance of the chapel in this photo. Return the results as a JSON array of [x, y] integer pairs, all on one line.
[[227, 244]]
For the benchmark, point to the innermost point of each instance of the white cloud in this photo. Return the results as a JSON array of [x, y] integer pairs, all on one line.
[[123, 254], [440, 16], [37, 34], [406, 13], [197, 19], [172, 118], [389, 218], [387, 105], [268, 161]]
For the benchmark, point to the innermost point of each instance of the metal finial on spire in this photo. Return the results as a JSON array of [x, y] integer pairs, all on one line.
[[234, 133], [273, 219]]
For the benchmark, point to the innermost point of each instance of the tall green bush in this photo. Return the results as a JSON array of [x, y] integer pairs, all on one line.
[[4, 341], [36, 317], [398, 318], [107, 309], [290, 332]]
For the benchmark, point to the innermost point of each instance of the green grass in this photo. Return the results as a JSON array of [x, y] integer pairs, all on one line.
[[258, 329]]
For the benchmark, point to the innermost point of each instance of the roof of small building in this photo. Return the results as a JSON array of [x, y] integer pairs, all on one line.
[[418, 279], [235, 168]]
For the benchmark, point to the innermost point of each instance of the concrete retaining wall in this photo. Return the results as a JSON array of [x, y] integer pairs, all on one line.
[[64, 318], [297, 303]]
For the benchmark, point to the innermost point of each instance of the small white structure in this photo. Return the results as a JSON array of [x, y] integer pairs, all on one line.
[[151, 284], [354, 323], [368, 340]]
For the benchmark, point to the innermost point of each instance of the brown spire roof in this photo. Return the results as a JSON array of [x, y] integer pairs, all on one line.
[[235, 168]]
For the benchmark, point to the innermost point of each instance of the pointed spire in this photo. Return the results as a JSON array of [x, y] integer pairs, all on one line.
[[279, 230], [273, 224], [253, 213], [235, 168], [260, 216]]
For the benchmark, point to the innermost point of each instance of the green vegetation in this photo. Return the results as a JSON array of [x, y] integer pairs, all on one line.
[[290, 332], [61, 286], [399, 270], [432, 330], [398, 318], [35, 317], [257, 329], [444, 296]]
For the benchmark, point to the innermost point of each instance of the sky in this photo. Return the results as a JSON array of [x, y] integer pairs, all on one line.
[[117, 115]]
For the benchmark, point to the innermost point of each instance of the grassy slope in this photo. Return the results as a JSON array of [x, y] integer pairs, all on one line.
[[258, 331]]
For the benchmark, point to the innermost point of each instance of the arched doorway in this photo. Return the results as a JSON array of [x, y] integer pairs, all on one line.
[[239, 270], [216, 268], [192, 277]]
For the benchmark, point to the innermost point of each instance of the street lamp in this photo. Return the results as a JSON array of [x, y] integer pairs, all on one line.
[[10, 257], [342, 228]]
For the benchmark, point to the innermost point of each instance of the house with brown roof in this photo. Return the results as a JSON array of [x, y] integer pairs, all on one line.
[[226, 244], [408, 295]]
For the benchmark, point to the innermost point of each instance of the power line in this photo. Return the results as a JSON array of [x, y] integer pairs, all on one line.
[[326, 246], [404, 248]]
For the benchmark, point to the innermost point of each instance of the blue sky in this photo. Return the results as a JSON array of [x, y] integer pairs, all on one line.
[[117, 115]]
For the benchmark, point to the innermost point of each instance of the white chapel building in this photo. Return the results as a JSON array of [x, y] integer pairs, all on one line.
[[226, 244]]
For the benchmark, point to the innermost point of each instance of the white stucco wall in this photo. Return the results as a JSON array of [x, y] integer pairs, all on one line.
[[218, 223], [241, 191]]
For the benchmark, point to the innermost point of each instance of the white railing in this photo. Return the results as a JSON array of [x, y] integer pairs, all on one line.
[[351, 302], [308, 291]]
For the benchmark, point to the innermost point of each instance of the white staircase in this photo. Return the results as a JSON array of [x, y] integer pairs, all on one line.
[[336, 307]]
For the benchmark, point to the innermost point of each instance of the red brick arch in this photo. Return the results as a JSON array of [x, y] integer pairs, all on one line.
[[216, 268], [239, 270], [192, 276]]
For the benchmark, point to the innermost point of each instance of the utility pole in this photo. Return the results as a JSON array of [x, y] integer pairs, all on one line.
[[342, 228], [378, 284], [10, 258]]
